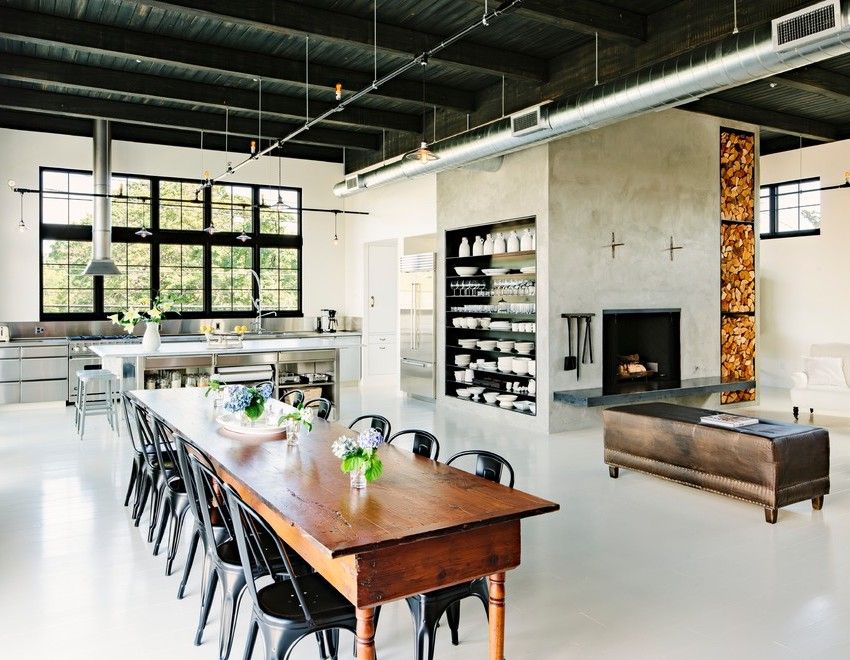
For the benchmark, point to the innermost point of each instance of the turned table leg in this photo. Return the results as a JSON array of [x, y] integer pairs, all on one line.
[[497, 616], [366, 633], [817, 503]]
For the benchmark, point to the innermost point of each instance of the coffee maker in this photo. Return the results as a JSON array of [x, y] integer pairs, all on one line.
[[327, 322]]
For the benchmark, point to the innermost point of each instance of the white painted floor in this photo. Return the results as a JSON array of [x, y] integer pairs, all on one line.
[[628, 569]]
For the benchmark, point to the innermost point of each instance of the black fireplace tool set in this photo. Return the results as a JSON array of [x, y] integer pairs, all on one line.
[[584, 346]]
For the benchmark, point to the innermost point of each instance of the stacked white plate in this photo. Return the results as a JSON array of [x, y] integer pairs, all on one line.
[[528, 270], [500, 325], [494, 271], [467, 343], [463, 360]]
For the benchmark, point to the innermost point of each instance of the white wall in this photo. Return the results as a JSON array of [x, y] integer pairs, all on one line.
[[804, 280], [408, 208], [23, 152]]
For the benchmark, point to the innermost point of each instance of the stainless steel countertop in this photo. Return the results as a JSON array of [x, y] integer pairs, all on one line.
[[58, 341]]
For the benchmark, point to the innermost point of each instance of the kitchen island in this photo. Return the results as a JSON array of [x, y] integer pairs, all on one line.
[[292, 362]]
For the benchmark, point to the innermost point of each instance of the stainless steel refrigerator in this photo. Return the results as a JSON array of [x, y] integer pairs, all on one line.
[[417, 324]]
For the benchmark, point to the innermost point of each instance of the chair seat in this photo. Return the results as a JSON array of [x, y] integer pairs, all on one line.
[[96, 375], [280, 601]]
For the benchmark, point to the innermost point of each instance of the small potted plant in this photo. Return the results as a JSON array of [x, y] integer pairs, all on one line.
[[300, 417], [360, 456]]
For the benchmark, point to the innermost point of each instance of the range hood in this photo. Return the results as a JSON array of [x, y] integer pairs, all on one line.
[[101, 262], [814, 34]]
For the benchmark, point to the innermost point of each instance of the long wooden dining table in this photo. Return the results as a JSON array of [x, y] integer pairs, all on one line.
[[423, 525]]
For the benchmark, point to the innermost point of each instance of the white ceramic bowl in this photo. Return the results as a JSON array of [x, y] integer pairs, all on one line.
[[464, 393], [494, 271], [471, 322], [488, 366], [486, 344], [485, 323], [505, 363], [458, 321], [463, 360], [475, 391], [506, 404], [528, 269], [506, 397], [466, 271], [505, 346], [467, 343], [532, 367], [532, 408], [519, 365], [524, 347], [490, 397], [522, 405], [460, 374]]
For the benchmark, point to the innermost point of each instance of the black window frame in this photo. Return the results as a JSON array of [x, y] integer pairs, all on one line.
[[172, 236], [773, 230]]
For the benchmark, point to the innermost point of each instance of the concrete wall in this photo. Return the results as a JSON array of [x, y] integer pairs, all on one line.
[[804, 280], [467, 197], [22, 152]]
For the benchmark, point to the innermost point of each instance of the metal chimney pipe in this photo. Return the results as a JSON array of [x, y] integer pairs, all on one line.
[[733, 61], [101, 262]]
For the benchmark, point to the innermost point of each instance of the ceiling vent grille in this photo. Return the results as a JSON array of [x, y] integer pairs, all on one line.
[[802, 26], [528, 121], [354, 182]]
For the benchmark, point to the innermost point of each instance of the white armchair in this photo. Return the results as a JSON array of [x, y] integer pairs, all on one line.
[[824, 382]]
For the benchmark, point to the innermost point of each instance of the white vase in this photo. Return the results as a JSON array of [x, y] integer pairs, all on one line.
[[151, 340], [526, 243], [499, 244], [533, 240], [464, 248], [488, 245], [513, 242], [478, 247]]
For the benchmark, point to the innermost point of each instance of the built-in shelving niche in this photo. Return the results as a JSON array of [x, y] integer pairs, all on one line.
[[493, 291]]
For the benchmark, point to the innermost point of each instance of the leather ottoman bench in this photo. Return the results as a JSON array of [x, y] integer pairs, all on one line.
[[771, 464]]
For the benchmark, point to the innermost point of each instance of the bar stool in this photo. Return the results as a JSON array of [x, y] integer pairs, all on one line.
[[84, 407]]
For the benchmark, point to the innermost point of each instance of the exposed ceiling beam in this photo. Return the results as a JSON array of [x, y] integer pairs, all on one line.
[[34, 27], [818, 81], [49, 123], [140, 85], [18, 98], [299, 19], [776, 121], [774, 145], [584, 16]]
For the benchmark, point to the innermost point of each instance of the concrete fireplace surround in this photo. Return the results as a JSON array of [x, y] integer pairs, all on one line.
[[645, 180]]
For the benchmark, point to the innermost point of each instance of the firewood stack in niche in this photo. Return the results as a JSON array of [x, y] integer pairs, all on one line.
[[737, 262]]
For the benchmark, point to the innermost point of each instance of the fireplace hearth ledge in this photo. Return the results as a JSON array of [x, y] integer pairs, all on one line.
[[593, 397]]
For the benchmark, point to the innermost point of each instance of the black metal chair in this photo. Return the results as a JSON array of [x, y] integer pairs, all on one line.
[[294, 605], [323, 407], [153, 473], [424, 443], [428, 608], [174, 500], [294, 398], [378, 422], [133, 486]]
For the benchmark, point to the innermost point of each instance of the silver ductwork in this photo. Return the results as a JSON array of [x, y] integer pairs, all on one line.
[[101, 232], [789, 42]]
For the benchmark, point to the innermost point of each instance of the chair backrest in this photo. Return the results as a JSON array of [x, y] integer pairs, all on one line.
[[183, 447], [210, 490], [146, 432], [424, 443], [487, 465], [378, 422], [259, 558], [166, 452], [323, 407], [294, 398], [129, 411]]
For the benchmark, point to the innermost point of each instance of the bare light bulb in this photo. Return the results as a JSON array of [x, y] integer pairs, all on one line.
[[22, 226], [12, 183], [336, 239]]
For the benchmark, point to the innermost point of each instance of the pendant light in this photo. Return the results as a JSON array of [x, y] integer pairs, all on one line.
[[240, 221], [144, 232], [336, 236], [22, 226], [423, 153], [279, 205]]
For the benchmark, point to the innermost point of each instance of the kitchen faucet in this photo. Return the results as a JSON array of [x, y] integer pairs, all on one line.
[[258, 305]]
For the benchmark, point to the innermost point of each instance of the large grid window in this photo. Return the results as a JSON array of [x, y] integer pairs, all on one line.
[[231, 279], [132, 288], [64, 290], [210, 269], [279, 274], [791, 208]]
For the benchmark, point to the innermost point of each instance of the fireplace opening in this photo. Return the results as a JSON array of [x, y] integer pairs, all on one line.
[[640, 350]]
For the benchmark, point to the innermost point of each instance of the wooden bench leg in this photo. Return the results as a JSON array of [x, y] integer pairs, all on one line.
[[770, 515], [613, 471], [817, 503]]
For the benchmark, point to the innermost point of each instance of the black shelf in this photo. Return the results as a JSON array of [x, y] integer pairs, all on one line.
[[493, 405], [510, 332], [484, 257], [486, 277], [503, 374], [493, 352], [494, 315]]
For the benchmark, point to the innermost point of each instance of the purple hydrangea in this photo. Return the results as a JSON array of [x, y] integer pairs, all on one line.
[[236, 398], [370, 439], [265, 390]]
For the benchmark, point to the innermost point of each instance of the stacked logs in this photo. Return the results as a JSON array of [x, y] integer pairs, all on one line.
[[737, 262], [737, 269], [738, 345], [737, 176]]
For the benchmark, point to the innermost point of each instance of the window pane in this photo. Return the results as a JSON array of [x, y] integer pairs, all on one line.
[[178, 208], [798, 207], [232, 208], [810, 217], [132, 288], [275, 219], [788, 200], [130, 212], [182, 272], [231, 278], [788, 220], [279, 275], [65, 289], [61, 208]]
